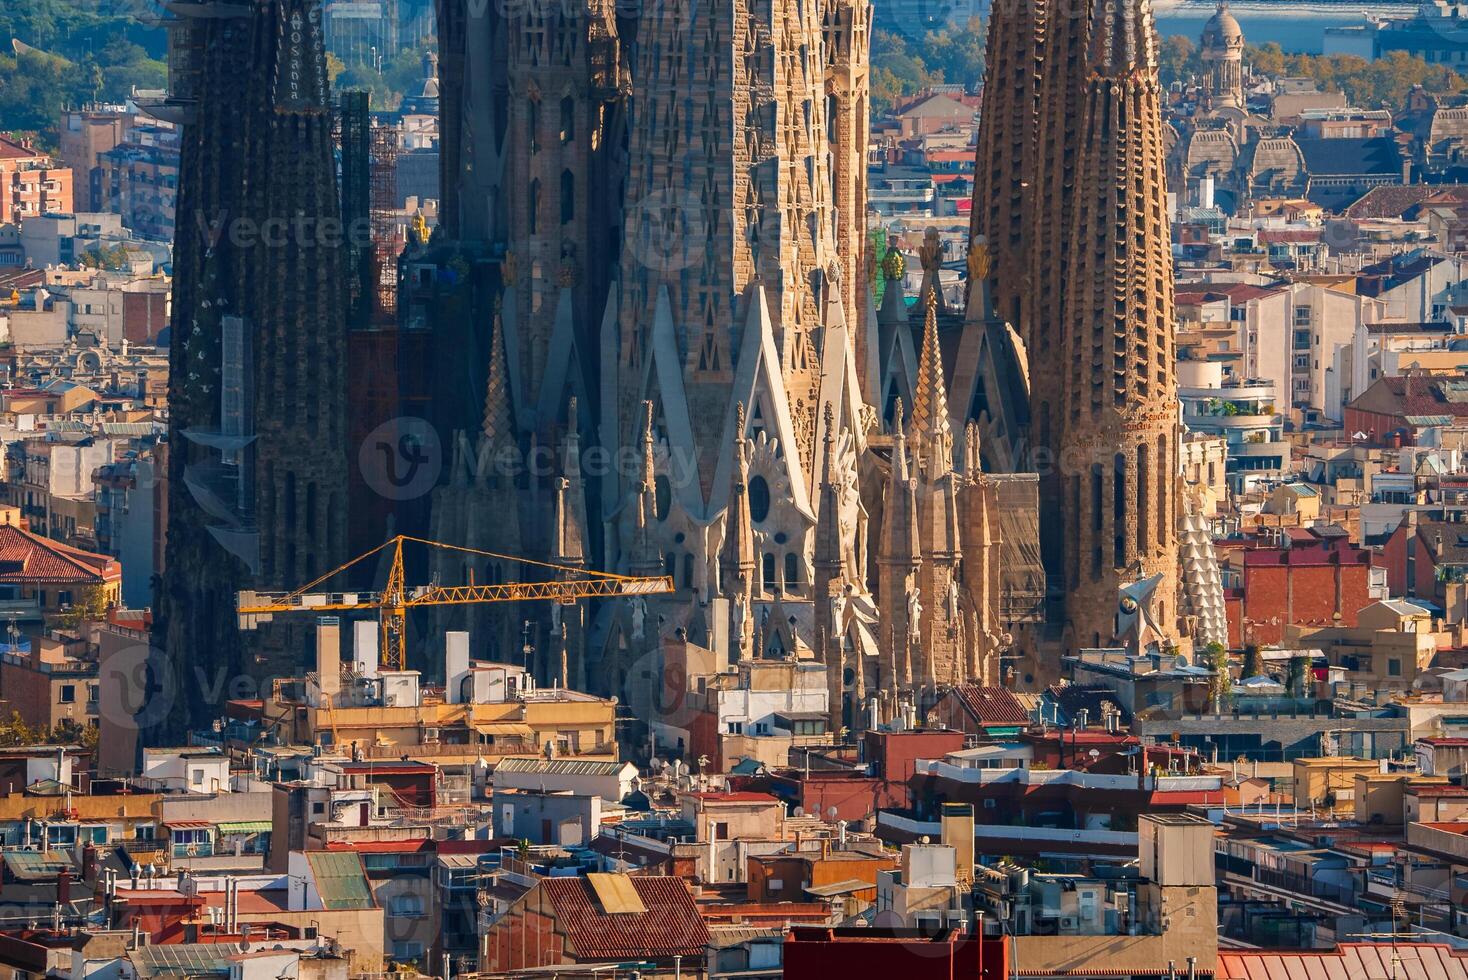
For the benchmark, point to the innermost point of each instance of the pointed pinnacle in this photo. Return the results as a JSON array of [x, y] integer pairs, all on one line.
[[930, 425], [498, 417]]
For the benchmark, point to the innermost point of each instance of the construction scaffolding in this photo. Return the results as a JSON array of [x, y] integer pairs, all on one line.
[[387, 239], [354, 146], [1022, 575]]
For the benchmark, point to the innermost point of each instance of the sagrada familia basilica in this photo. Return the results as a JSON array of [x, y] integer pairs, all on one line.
[[662, 342]]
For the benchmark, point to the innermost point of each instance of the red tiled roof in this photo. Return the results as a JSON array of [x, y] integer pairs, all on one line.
[[1404, 395], [1438, 792], [1352, 961], [991, 705], [43, 560], [11, 150], [670, 926]]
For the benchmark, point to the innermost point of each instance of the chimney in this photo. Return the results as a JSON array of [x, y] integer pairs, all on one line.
[[329, 656], [364, 647], [456, 665]]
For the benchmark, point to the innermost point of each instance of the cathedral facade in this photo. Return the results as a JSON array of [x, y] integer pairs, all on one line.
[[658, 229]]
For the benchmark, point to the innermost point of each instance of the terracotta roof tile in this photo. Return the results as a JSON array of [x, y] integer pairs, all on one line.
[[670, 926], [991, 705], [27, 557], [1352, 961]]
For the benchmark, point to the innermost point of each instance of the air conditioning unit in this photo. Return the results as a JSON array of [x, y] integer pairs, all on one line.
[[1067, 922]]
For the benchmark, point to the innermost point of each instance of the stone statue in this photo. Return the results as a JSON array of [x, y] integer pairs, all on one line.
[[931, 252], [838, 612], [639, 617], [738, 615], [952, 600], [914, 613]]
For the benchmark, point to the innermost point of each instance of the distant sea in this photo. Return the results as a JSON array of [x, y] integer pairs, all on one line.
[[1298, 27]]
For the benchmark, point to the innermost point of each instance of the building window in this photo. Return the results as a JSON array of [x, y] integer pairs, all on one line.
[[759, 499], [1394, 667], [568, 197], [721, 831], [408, 906], [68, 694], [403, 949], [568, 119], [792, 568]]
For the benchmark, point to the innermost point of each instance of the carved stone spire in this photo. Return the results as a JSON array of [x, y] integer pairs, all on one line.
[[645, 558], [1119, 349], [499, 412], [898, 560], [932, 432], [736, 557], [828, 544], [569, 547], [999, 224]]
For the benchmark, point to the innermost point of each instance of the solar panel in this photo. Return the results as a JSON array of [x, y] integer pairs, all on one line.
[[616, 894]]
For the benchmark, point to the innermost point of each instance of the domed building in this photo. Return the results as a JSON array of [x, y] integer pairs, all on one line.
[[425, 103], [1222, 52]]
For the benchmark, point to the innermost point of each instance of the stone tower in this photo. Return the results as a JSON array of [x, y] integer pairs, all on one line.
[[559, 202], [731, 286], [257, 465], [941, 647], [1005, 165], [1121, 425], [1222, 52], [1062, 69], [847, 34]]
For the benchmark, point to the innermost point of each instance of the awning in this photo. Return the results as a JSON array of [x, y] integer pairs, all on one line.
[[188, 824], [504, 728], [246, 827]]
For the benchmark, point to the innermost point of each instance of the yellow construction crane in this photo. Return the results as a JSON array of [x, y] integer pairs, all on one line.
[[396, 598]]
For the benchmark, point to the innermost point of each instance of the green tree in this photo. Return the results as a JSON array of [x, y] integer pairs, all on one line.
[[1295, 684], [1177, 60], [91, 606], [1253, 662], [1216, 656], [17, 732]]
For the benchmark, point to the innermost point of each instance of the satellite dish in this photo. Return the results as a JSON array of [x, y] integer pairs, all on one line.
[[831, 812], [798, 812]]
